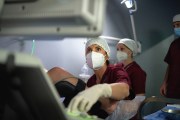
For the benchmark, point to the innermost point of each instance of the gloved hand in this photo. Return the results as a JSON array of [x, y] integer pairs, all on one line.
[[84, 100]]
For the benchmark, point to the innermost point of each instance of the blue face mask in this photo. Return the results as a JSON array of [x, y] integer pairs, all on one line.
[[177, 31]]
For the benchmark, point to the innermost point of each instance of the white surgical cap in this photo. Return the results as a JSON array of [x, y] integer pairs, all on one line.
[[99, 41], [131, 44], [176, 18]]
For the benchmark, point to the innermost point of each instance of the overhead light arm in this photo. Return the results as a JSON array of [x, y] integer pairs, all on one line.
[[132, 6], [135, 8]]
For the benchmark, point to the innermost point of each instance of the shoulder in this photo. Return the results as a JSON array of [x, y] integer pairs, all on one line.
[[117, 70], [176, 41], [136, 67], [135, 64]]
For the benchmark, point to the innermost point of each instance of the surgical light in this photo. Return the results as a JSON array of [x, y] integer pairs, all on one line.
[[128, 3]]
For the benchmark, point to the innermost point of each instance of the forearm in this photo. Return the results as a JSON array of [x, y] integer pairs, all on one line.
[[119, 90], [85, 99], [109, 105]]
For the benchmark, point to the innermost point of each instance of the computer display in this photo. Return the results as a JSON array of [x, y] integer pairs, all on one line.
[[51, 19], [28, 91]]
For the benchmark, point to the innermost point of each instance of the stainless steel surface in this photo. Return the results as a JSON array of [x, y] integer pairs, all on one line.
[[171, 110]]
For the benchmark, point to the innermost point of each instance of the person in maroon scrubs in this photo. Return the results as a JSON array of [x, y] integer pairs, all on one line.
[[170, 87], [127, 109], [108, 85]]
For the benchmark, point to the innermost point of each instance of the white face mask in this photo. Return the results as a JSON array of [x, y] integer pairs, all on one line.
[[95, 60], [121, 56]]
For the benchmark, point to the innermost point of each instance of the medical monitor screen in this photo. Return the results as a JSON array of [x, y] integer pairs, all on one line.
[[27, 89], [52, 19]]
